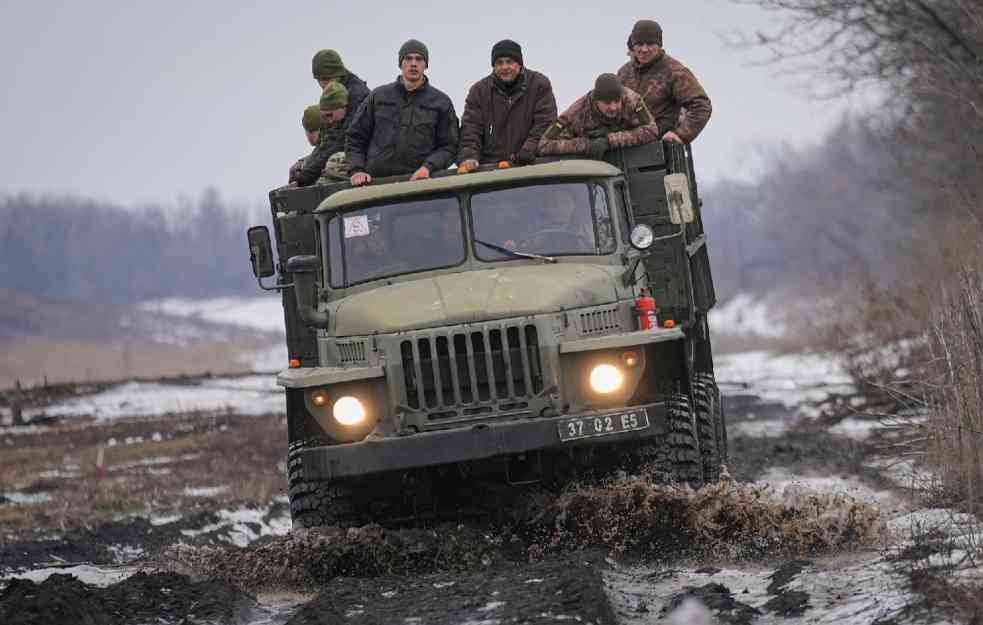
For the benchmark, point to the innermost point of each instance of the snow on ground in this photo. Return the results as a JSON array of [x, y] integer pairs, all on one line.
[[789, 487], [746, 315], [789, 379], [845, 590], [249, 395], [263, 313], [100, 576]]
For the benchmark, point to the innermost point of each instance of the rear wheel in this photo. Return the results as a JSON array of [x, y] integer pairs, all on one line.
[[711, 431]]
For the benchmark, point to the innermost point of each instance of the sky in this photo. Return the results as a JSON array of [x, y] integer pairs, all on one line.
[[148, 102]]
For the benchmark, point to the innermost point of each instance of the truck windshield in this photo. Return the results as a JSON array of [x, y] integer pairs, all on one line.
[[399, 238], [545, 220]]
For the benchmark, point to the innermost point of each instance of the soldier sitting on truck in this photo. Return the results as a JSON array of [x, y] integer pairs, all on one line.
[[674, 96], [609, 116], [405, 127], [328, 69], [311, 122], [506, 112]]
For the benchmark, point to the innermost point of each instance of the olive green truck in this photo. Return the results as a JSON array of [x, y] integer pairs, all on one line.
[[521, 325]]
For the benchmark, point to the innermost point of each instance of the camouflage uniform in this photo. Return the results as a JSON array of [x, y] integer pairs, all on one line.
[[335, 170], [672, 93], [573, 131]]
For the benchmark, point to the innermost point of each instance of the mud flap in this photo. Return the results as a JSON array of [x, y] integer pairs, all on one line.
[[523, 469]]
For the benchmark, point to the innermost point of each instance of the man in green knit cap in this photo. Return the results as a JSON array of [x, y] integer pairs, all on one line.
[[311, 122], [328, 69]]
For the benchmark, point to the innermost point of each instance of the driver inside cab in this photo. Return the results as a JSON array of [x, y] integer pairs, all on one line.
[[564, 226]]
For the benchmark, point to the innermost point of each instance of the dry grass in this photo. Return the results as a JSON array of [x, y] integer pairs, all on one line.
[[956, 421], [32, 361], [146, 469]]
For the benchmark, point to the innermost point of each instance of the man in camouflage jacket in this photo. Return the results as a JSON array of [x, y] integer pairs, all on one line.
[[328, 68], [671, 92], [610, 116]]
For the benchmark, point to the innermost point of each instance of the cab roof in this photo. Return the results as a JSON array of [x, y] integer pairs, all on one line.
[[452, 183]]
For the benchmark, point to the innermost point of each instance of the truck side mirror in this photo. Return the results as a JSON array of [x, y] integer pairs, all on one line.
[[679, 199], [260, 251]]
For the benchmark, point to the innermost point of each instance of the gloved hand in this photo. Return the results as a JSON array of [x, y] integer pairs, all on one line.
[[597, 148], [525, 157]]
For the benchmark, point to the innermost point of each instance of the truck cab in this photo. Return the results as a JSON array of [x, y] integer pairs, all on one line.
[[528, 322]]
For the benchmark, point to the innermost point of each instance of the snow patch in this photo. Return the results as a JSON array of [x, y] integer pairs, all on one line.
[[746, 315], [204, 491], [257, 313], [250, 395], [789, 379]]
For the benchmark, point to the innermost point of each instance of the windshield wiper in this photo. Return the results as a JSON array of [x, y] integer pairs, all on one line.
[[505, 250]]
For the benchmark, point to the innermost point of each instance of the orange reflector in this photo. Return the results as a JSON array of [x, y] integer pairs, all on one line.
[[630, 358], [319, 399], [669, 323], [504, 164], [295, 363]]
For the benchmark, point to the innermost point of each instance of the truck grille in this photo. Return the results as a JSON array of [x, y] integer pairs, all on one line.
[[472, 371], [597, 321]]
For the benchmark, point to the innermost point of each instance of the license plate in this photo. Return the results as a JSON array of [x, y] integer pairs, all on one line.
[[586, 427]]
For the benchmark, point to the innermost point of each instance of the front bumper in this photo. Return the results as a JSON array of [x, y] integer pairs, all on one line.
[[477, 442]]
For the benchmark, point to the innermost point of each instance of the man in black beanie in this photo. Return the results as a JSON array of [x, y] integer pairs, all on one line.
[[609, 116], [506, 112], [405, 127], [672, 93]]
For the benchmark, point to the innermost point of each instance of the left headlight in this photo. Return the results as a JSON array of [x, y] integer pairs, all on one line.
[[349, 411], [606, 379]]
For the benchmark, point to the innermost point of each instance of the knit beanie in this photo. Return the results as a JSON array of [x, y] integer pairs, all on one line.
[[311, 120], [645, 31], [507, 48], [607, 88], [334, 97], [327, 64], [414, 47]]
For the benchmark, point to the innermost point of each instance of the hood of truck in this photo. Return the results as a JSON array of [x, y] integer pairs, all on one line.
[[473, 296]]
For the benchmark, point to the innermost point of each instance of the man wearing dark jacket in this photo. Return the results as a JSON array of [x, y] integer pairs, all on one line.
[[406, 127], [671, 92], [506, 112], [328, 68]]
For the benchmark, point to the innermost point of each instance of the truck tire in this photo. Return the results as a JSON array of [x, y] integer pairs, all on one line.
[[317, 503], [683, 445], [710, 425], [674, 459]]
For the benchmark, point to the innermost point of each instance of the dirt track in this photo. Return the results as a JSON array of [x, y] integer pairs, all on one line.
[[172, 498]]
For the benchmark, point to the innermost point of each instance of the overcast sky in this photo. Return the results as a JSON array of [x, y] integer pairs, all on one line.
[[148, 101]]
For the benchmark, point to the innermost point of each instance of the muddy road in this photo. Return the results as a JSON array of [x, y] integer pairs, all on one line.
[[182, 518]]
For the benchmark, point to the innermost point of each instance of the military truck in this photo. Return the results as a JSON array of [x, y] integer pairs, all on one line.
[[496, 325]]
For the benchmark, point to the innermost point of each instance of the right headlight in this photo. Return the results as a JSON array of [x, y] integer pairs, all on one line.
[[606, 379], [349, 411]]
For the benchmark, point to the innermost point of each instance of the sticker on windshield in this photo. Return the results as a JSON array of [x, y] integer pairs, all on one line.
[[356, 226]]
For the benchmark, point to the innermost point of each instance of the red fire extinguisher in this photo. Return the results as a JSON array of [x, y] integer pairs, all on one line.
[[645, 307]]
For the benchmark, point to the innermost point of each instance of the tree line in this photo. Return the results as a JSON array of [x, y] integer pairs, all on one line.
[[69, 247]]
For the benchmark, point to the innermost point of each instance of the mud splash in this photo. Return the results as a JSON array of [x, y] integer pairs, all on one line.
[[632, 518]]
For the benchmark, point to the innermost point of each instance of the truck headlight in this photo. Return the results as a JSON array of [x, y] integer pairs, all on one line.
[[349, 411], [606, 379]]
